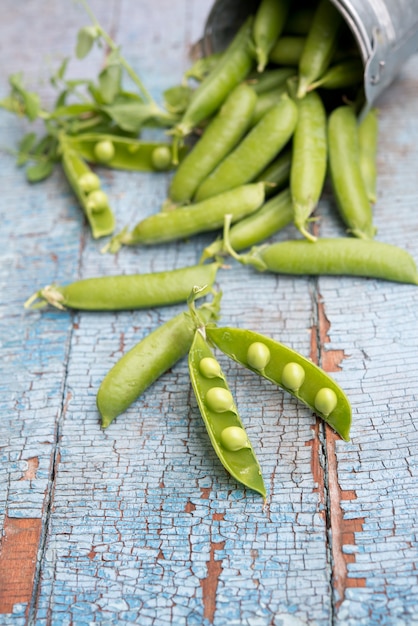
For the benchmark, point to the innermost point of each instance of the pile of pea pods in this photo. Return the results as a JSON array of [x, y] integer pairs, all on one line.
[[251, 134]]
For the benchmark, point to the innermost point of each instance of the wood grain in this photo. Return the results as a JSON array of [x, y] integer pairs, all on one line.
[[140, 524]]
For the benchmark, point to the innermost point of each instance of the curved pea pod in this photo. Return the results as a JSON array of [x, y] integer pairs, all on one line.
[[220, 415], [346, 176], [94, 203], [337, 256], [231, 69], [146, 361], [274, 215], [192, 219], [218, 139], [124, 153], [258, 148], [368, 130], [320, 45], [127, 292], [309, 160], [268, 24], [288, 369]]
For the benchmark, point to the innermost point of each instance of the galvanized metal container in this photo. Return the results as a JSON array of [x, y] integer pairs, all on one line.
[[386, 32]]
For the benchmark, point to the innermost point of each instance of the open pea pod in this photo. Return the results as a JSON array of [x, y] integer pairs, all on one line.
[[86, 186], [288, 369], [123, 152], [220, 415]]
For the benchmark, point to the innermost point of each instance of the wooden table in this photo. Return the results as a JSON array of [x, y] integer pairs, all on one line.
[[140, 523]]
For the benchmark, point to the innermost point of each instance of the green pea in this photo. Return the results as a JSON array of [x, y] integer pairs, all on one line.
[[209, 367], [161, 158], [219, 399], [89, 182], [293, 376], [325, 401], [234, 438], [258, 355], [104, 151], [97, 201]]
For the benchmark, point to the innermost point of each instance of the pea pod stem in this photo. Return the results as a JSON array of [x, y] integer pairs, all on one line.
[[274, 215], [115, 49]]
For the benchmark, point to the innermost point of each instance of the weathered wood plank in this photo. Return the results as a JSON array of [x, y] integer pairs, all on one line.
[[140, 524]]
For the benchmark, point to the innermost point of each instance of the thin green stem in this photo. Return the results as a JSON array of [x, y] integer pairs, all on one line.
[[112, 45]]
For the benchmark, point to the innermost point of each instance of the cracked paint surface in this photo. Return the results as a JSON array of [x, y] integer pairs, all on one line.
[[140, 524]]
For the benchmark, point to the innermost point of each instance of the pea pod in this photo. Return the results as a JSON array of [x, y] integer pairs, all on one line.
[[204, 216], [346, 176], [93, 201], [288, 369], [258, 148], [270, 79], [124, 153], [231, 69], [218, 139], [135, 291], [287, 50], [320, 45], [368, 136], [309, 160], [220, 415], [268, 24], [266, 101], [276, 174], [146, 361], [336, 256], [344, 74], [274, 215]]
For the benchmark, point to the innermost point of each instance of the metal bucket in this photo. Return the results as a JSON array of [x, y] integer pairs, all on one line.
[[386, 32]]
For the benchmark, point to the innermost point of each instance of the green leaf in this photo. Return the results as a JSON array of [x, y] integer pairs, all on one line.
[[110, 82], [85, 40], [39, 171], [29, 99], [130, 116], [176, 99], [25, 146]]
